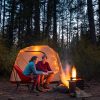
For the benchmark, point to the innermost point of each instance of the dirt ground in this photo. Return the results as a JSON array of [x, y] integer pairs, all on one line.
[[7, 92]]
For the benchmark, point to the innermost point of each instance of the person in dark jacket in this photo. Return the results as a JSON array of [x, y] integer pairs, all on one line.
[[31, 69], [45, 67]]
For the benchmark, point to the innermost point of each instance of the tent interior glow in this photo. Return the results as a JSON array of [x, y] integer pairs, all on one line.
[[25, 55]]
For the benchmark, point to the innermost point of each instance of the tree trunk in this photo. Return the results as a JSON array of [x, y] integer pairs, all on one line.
[[91, 21], [99, 15], [54, 24], [44, 21], [62, 37], [49, 16], [37, 19], [19, 29], [70, 28], [77, 35], [3, 20], [0, 12], [11, 25], [67, 31]]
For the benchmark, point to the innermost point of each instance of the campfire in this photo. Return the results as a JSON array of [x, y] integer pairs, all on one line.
[[73, 77], [70, 80]]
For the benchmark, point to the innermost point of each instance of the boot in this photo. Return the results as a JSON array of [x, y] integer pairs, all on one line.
[[40, 89], [45, 86], [34, 90]]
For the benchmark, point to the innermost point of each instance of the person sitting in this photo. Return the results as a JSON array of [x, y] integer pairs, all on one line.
[[45, 67], [30, 69]]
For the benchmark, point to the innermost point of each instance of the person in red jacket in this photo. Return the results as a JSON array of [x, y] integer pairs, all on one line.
[[45, 67]]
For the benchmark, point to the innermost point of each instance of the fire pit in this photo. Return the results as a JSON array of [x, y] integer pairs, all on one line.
[[74, 85], [71, 81], [75, 82]]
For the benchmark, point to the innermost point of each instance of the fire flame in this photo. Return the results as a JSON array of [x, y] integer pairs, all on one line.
[[67, 74], [73, 73]]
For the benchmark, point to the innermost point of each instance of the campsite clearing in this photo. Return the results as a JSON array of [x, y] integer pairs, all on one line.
[[7, 93]]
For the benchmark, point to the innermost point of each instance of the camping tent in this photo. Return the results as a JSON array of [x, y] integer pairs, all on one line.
[[25, 55]]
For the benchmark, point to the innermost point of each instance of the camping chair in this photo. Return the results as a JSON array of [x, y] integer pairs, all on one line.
[[25, 80]]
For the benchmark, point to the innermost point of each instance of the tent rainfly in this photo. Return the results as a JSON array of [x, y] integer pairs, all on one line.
[[25, 55]]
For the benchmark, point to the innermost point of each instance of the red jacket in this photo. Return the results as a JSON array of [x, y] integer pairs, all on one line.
[[43, 67]]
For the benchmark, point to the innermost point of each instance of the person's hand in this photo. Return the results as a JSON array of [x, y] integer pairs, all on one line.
[[50, 72], [45, 73]]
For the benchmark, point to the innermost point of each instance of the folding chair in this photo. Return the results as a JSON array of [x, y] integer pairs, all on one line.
[[25, 80]]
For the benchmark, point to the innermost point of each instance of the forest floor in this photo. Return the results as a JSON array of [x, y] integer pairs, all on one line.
[[7, 92]]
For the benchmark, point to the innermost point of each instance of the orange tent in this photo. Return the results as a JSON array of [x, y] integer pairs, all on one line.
[[25, 55]]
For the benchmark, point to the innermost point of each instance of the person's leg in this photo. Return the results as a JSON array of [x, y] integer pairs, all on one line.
[[36, 82], [42, 80], [48, 79], [40, 89]]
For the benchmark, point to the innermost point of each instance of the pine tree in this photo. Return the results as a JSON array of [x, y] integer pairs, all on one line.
[[91, 21]]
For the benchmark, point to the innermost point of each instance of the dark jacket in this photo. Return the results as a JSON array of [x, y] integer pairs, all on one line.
[[43, 67]]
